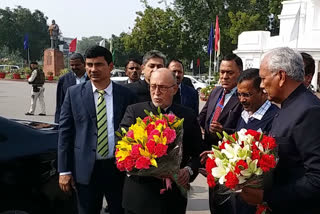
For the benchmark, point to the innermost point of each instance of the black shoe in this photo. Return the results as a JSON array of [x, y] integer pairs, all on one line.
[[41, 114], [28, 113]]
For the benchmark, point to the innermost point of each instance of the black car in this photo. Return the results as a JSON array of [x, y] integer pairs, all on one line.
[[28, 174]]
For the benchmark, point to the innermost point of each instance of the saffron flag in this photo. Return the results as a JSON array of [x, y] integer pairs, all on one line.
[[73, 45], [210, 45], [217, 37], [295, 30], [26, 42]]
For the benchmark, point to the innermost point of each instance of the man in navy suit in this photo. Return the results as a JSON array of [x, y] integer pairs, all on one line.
[[77, 76], [90, 114], [295, 184], [185, 95], [221, 113]]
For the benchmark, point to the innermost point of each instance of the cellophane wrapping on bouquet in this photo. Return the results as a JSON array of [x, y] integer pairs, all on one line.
[[152, 146], [241, 159]]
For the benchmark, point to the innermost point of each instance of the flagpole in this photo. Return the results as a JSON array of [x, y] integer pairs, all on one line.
[[28, 56], [210, 66]]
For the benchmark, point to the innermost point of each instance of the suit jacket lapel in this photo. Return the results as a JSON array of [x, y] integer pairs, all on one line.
[[213, 103], [88, 100], [230, 105]]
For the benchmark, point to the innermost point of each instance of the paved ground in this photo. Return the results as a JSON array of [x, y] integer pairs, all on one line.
[[15, 101]]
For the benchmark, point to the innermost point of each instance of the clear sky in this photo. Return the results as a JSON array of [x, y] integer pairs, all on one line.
[[84, 18]]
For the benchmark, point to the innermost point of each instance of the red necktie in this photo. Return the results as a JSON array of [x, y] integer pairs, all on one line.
[[219, 107]]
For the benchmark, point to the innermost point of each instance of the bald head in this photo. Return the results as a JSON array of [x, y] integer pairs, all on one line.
[[163, 86]]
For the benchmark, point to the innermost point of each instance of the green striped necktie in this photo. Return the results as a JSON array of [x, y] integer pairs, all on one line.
[[102, 125]]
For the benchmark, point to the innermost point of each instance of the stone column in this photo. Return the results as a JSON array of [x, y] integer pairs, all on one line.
[[315, 81]]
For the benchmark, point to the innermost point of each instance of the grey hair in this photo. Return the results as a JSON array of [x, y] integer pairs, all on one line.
[[166, 69], [288, 60], [75, 56], [153, 54]]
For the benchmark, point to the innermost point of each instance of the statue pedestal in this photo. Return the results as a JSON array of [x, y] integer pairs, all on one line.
[[52, 62]]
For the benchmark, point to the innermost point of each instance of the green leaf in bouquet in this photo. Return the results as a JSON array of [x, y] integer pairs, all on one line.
[[261, 137], [124, 131], [147, 112], [118, 134], [236, 134], [225, 134], [219, 135], [217, 154], [215, 147], [159, 110]]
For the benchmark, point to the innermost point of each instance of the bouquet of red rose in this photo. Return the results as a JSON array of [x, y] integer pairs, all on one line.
[[240, 159], [152, 146]]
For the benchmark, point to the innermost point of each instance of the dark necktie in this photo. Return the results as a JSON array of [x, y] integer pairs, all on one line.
[[177, 97], [219, 107]]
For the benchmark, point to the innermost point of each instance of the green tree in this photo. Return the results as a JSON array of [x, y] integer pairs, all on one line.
[[159, 29], [17, 22], [234, 18], [87, 42]]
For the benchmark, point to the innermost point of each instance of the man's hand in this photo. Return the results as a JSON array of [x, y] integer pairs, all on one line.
[[183, 177], [66, 183], [252, 196], [203, 172], [215, 127], [204, 157]]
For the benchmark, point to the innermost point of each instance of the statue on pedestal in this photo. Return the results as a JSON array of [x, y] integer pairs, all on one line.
[[54, 34]]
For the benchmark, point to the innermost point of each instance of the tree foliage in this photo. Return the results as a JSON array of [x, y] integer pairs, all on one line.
[[17, 22], [87, 42], [159, 29], [234, 18]]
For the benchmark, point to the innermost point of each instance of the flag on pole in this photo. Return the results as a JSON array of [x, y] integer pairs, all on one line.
[[102, 43], [73, 45], [217, 37], [191, 65], [26, 42], [198, 62], [211, 35], [295, 30]]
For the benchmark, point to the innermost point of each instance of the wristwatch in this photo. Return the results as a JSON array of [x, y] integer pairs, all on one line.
[[189, 170]]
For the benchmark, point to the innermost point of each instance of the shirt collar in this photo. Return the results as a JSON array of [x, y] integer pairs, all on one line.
[[232, 91], [108, 90], [83, 76], [258, 114]]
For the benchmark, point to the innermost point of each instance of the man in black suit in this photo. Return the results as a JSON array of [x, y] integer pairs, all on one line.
[[151, 61], [90, 114], [77, 76], [141, 195], [309, 69], [186, 95], [221, 113], [295, 185], [133, 70]]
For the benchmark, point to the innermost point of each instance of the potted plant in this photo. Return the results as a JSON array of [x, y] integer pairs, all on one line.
[[2, 74], [205, 92], [50, 77], [16, 74]]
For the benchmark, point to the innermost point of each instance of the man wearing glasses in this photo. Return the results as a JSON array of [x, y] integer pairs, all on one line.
[[141, 194], [133, 70], [258, 111]]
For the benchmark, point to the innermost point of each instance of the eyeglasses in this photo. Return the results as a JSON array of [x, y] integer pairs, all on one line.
[[132, 68], [161, 88], [244, 95]]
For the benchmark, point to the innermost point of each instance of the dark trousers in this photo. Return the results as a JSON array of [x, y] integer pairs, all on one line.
[[106, 180]]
